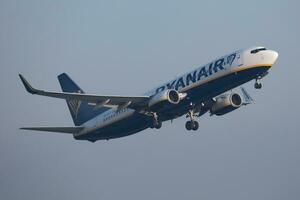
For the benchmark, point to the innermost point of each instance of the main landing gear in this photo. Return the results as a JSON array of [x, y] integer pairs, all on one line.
[[156, 123], [257, 84], [192, 124]]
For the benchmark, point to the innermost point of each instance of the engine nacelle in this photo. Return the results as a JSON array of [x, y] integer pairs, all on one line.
[[171, 96], [226, 103]]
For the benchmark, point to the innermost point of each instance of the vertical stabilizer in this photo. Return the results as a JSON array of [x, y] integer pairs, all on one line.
[[80, 111]]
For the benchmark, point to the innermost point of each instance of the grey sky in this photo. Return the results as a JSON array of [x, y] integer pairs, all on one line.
[[128, 47]]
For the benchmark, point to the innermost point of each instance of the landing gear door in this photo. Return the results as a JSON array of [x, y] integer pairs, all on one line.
[[239, 58]]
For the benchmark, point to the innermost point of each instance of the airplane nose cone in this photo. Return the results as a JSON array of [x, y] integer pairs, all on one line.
[[274, 56]]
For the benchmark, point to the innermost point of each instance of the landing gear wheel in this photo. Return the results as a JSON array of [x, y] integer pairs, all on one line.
[[195, 125], [155, 123], [189, 125], [192, 124], [257, 85], [158, 125]]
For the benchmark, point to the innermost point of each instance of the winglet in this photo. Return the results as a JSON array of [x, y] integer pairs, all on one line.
[[248, 99], [27, 86]]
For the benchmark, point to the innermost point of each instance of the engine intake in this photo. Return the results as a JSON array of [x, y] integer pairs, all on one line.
[[226, 103], [171, 96]]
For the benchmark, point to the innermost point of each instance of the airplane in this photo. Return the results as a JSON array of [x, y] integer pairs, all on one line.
[[205, 89]]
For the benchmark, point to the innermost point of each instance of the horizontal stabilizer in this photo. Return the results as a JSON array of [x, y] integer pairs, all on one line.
[[71, 130]]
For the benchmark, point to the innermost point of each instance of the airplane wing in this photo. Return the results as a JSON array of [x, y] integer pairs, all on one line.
[[97, 100], [71, 130]]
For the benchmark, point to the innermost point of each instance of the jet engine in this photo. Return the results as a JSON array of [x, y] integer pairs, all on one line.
[[169, 96], [225, 104]]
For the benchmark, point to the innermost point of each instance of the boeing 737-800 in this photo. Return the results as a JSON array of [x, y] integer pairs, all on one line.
[[98, 117]]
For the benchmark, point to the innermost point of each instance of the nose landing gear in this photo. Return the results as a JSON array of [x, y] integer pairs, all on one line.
[[257, 84]]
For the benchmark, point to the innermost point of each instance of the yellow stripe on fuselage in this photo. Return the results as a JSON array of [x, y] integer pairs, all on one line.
[[238, 69]]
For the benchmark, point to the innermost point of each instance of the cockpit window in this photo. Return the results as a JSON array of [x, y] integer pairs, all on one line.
[[258, 50]]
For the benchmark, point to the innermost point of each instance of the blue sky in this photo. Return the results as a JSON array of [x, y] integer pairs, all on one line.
[[128, 47]]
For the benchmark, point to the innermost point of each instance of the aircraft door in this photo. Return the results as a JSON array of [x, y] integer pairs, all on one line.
[[239, 58]]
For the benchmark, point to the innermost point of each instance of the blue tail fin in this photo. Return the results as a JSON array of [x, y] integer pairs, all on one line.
[[80, 111]]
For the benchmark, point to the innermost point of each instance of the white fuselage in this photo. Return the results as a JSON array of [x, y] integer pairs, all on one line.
[[229, 64]]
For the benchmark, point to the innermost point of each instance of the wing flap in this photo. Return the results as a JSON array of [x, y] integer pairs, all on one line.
[[70, 130]]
